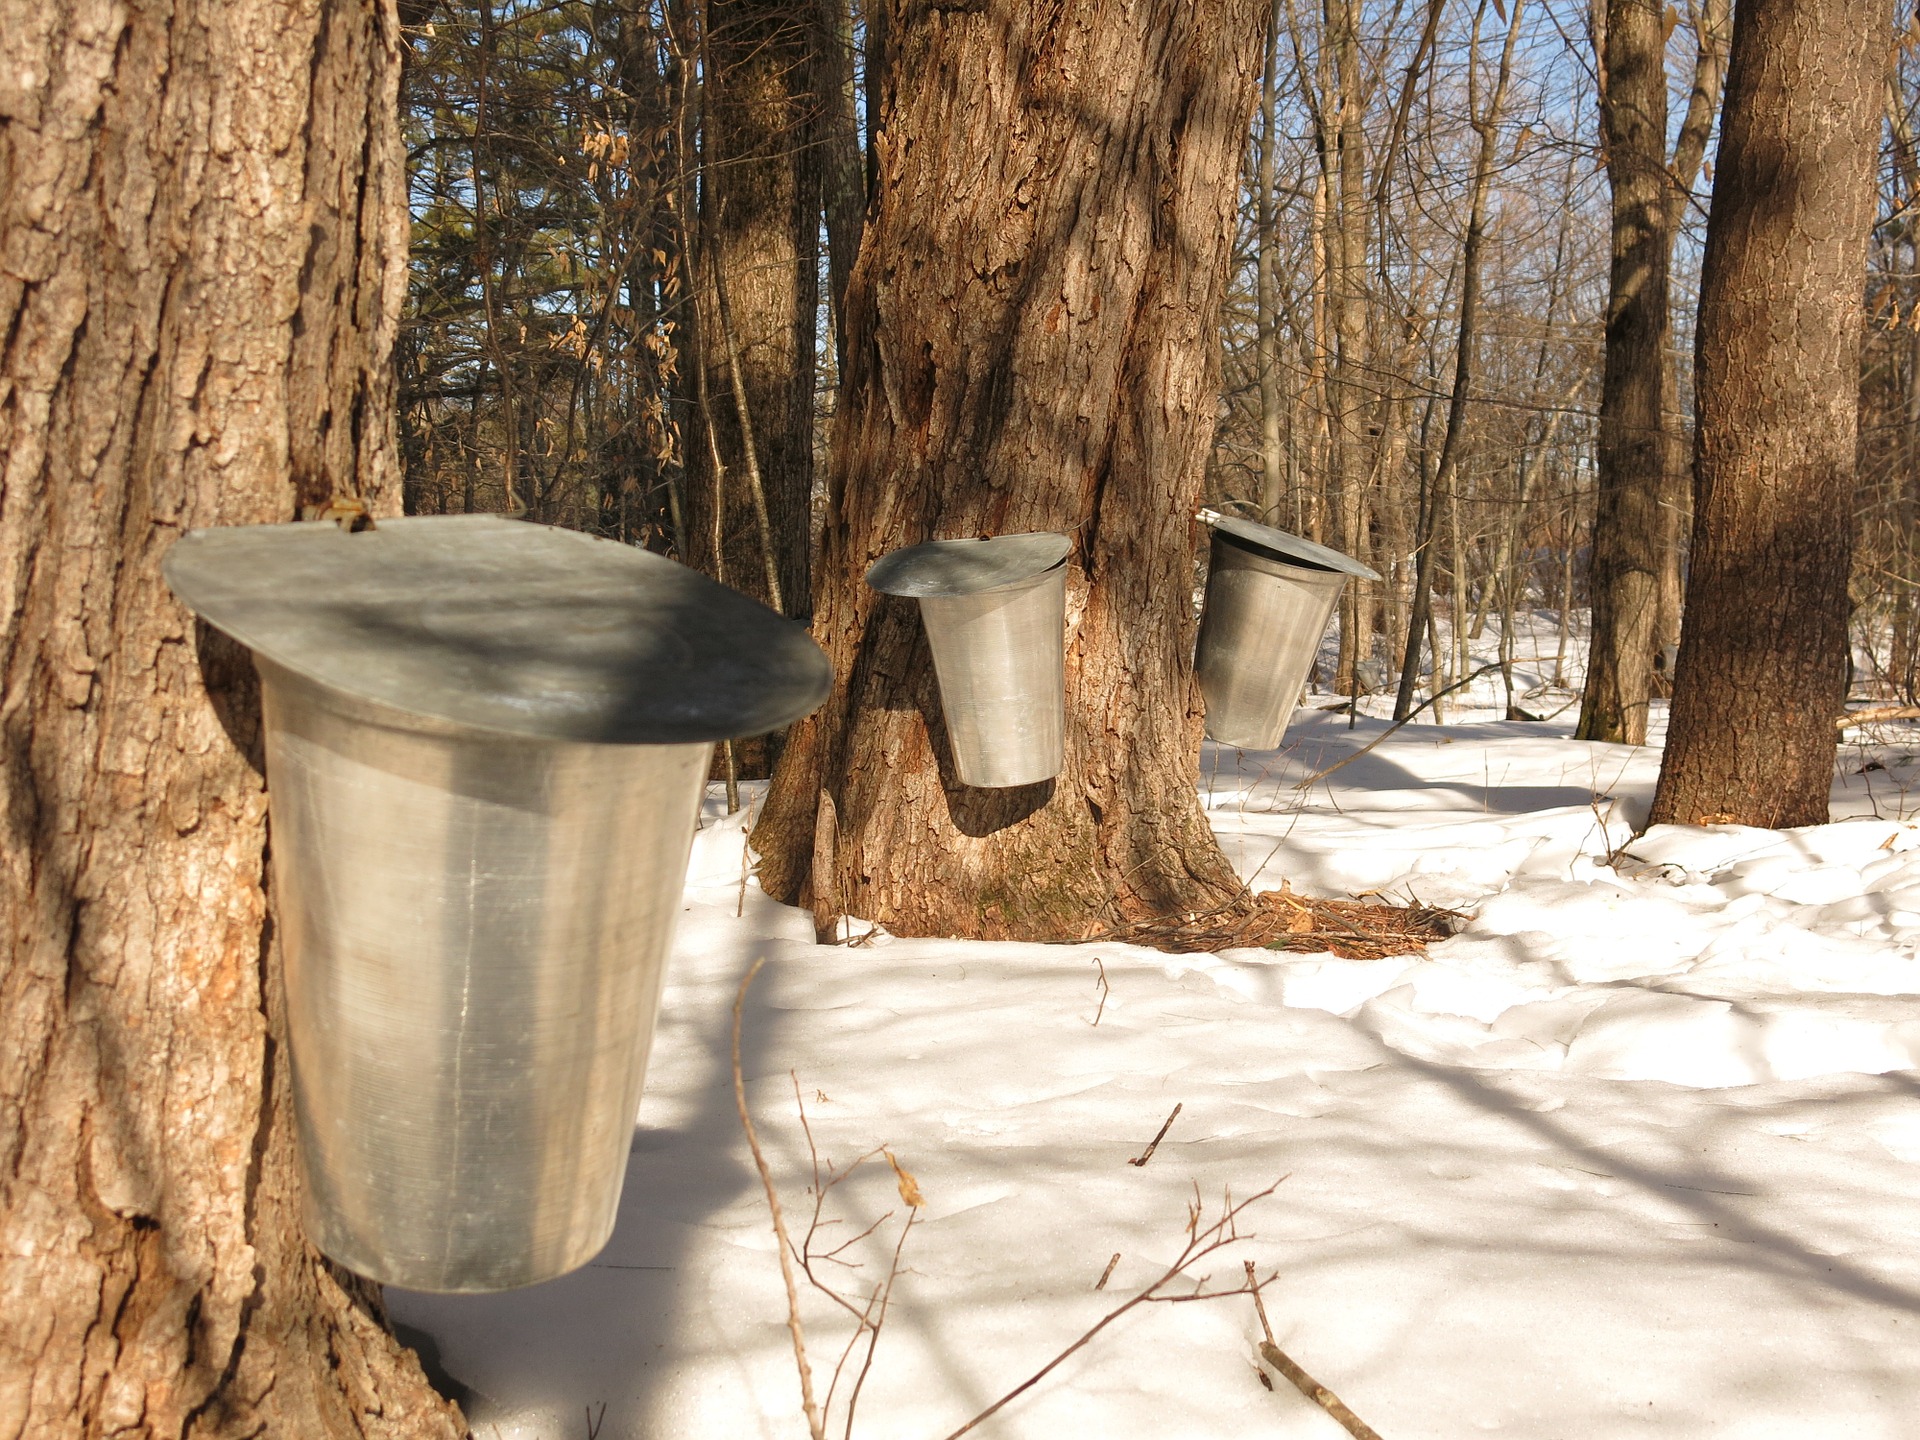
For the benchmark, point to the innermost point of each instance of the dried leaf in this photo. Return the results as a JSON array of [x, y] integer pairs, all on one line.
[[909, 1187]]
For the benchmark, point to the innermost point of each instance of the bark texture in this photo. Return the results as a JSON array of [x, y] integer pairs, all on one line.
[[202, 251], [1763, 656], [1634, 576], [1632, 450], [1031, 346]]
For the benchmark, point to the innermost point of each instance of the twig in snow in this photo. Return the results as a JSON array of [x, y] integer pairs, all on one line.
[[746, 852], [1303, 1382], [816, 1422], [1147, 1154], [1201, 1242], [1315, 779], [1105, 990], [1107, 1274]]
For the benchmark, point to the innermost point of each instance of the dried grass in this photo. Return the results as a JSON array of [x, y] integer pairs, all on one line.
[[1282, 920]]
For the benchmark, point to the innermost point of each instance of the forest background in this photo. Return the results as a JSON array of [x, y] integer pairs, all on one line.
[[631, 227]]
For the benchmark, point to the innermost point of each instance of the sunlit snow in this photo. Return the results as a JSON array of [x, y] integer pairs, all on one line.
[[1637, 1152]]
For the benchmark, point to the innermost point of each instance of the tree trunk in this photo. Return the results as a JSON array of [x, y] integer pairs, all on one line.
[[1633, 531], [1349, 287], [842, 175], [203, 218], [759, 288], [1267, 329], [1763, 657], [1032, 346]]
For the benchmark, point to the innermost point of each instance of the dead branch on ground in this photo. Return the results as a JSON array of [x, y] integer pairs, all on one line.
[[1302, 1381]]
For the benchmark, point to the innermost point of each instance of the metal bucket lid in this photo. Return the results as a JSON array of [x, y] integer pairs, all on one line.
[[1282, 546], [505, 626], [968, 567]]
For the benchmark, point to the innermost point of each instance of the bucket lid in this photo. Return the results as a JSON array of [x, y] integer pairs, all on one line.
[[505, 626], [968, 567], [1282, 546]]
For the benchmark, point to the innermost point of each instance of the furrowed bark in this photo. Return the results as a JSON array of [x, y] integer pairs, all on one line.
[[1764, 653], [202, 251], [1031, 345]]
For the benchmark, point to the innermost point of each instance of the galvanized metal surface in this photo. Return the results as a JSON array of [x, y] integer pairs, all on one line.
[[476, 902], [967, 567], [506, 626], [1282, 546], [995, 614], [475, 930], [1261, 627]]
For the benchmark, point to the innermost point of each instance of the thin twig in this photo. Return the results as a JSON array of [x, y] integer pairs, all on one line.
[[1312, 780], [746, 848], [816, 1424], [1105, 990], [1259, 1305], [1147, 1154], [1200, 1244], [1112, 1265]]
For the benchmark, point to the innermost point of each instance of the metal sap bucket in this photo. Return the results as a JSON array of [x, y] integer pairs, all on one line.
[[996, 616], [486, 746], [1269, 598]]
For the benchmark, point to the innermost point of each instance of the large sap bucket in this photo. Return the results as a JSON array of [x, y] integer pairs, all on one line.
[[1269, 598], [486, 745], [995, 611]]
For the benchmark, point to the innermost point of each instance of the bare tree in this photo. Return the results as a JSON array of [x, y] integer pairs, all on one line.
[[1633, 535]]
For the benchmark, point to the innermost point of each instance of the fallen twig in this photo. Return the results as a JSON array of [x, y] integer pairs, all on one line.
[[1302, 1381], [1154, 1144], [1201, 1242], [1875, 714], [1105, 990], [816, 1424], [1107, 1274]]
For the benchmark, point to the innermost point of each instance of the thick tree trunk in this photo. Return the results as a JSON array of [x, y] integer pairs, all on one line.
[[1763, 655], [203, 224], [1634, 531], [758, 289], [1032, 346]]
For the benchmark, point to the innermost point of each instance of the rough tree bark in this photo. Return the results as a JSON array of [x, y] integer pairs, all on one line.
[[202, 259], [1637, 450], [1031, 346], [1763, 656]]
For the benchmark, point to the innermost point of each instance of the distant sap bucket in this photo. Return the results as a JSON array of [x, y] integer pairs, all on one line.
[[996, 613], [1269, 598], [486, 747]]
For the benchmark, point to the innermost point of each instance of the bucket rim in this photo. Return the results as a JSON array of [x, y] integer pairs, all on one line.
[[1279, 545], [976, 566], [506, 627]]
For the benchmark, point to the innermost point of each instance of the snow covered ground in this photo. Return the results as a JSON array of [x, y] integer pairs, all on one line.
[[1635, 1153]]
